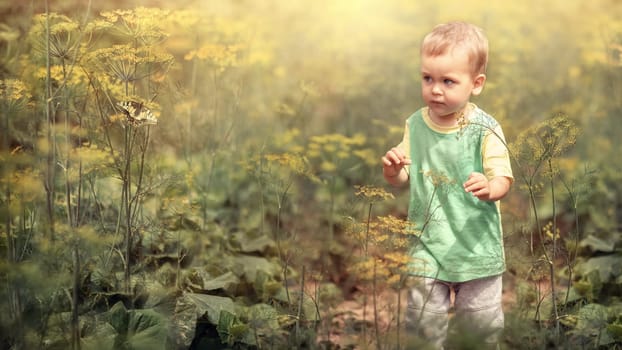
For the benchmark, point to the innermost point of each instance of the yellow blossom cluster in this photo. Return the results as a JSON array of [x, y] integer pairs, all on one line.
[[144, 24], [128, 63], [545, 140], [58, 24], [438, 179], [386, 245], [65, 36], [332, 150], [14, 93], [296, 163], [372, 193], [221, 55]]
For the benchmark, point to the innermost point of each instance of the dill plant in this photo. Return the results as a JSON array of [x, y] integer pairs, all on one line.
[[276, 173], [384, 243], [207, 107], [333, 157], [59, 42], [537, 152], [127, 71], [17, 192]]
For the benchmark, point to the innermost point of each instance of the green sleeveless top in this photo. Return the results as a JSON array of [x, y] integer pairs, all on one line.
[[459, 237]]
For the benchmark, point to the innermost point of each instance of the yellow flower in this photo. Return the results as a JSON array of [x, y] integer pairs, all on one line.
[[328, 166], [372, 193]]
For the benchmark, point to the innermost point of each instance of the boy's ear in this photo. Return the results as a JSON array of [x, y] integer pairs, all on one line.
[[478, 84]]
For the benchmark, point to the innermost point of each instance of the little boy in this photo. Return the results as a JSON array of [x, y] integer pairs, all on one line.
[[454, 158]]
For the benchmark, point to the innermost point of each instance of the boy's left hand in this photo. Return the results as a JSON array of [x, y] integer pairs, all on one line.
[[487, 190], [478, 185]]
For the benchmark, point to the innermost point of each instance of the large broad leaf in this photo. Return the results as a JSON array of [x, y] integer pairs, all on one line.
[[263, 322], [255, 244], [264, 318], [190, 307], [224, 281], [147, 329], [592, 322], [103, 338], [609, 267], [210, 305], [250, 266], [143, 329], [201, 280], [597, 244], [118, 318], [232, 330]]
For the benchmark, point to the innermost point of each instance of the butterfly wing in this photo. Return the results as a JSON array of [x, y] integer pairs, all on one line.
[[137, 114]]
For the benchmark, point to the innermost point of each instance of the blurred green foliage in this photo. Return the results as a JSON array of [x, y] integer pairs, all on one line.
[[271, 116]]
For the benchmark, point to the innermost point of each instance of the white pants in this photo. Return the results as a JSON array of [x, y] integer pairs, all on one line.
[[478, 320]]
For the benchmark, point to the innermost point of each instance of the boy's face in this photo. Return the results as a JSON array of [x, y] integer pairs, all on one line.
[[447, 83]]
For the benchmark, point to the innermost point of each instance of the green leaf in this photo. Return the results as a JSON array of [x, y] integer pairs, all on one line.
[[597, 244], [225, 321], [134, 330], [225, 281], [102, 338], [609, 267], [210, 305], [615, 330], [184, 322], [263, 321], [118, 317], [592, 317], [192, 306], [258, 244], [147, 330], [264, 316], [250, 266]]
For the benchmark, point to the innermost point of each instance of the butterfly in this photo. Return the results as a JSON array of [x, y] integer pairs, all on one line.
[[137, 114]]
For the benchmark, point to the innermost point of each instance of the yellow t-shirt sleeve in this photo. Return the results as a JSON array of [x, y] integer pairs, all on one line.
[[495, 155], [405, 144]]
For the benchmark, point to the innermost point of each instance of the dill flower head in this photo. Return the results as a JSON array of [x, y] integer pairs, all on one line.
[[14, 94], [545, 140], [65, 35], [142, 24], [372, 193]]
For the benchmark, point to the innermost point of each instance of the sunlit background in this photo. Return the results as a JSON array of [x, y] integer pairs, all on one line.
[[261, 177]]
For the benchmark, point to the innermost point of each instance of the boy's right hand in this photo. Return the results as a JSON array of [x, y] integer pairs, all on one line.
[[394, 161]]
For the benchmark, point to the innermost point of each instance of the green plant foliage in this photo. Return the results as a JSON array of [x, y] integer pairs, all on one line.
[[246, 209], [191, 307], [592, 327], [120, 328]]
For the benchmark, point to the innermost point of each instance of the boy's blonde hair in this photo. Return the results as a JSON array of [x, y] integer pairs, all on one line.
[[445, 37]]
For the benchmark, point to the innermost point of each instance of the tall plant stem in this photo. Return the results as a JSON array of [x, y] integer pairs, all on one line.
[[398, 341], [73, 224], [572, 255], [277, 237], [300, 304], [50, 169], [366, 255], [331, 209], [13, 292], [126, 205], [553, 253], [75, 320], [375, 304]]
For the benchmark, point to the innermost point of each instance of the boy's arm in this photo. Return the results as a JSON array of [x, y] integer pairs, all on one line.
[[487, 190], [396, 161], [497, 179], [394, 164]]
